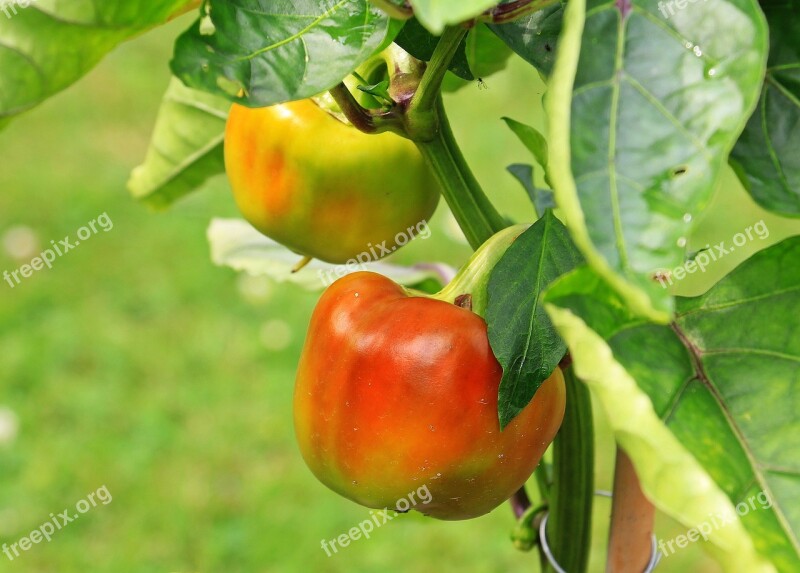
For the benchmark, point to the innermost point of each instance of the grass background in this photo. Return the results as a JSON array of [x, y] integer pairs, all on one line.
[[136, 364]]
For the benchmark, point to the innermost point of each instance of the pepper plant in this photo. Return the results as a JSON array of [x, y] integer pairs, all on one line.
[[648, 105]]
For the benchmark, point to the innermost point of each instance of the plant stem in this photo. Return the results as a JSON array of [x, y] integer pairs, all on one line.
[[520, 502], [570, 522], [473, 278], [475, 214], [526, 533], [363, 119], [421, 118], [630, 539], [542, 481], [427, 125]]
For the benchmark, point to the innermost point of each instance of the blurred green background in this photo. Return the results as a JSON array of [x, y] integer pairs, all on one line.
[[136, 364]]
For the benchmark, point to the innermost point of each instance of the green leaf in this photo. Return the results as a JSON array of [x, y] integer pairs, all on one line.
[[436, 14], [480, 54], [263, 53], [236, 244], [420, 43], [486, 53], [542, 199], [752, 370], [587, 311], [643, 113], [766, 156], [186, 148], [534, 37], [520, 333], [394, 8], [725, 380], [47, 46], [380, 91], [531, 139]]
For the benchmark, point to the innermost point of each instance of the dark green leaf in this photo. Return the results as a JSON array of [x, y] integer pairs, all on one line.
[[725, 380], [522, 337], [486, 53], [479, 55], [542, 199], [530, 138], [262, 53], [379, 91], [752, 370], [534, 37], [47, 47], [420, 43], [767, 156], [186, 148], [644, 111]]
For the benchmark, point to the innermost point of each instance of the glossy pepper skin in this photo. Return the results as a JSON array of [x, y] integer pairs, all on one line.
[[395, 392], [321, 187]]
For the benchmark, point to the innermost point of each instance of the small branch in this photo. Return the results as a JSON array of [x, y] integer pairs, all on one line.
[[431, 84], [632, 516], [526, 534], [364, 119], [520, 502], [421, 117]]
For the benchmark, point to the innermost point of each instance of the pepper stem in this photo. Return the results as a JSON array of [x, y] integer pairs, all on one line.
[[473, 278], [473, 211]]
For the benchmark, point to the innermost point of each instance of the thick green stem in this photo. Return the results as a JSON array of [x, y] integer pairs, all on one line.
[[475, 214], [570, 521]]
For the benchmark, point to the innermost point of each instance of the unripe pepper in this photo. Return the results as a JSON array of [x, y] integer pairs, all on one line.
[[396, 391], [321, 187]]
